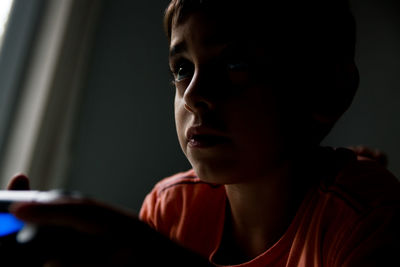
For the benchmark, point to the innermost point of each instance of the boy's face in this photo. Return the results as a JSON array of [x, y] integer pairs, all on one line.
[[225, 111]]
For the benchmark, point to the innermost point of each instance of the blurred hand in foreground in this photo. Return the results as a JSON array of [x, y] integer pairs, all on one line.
[[84, 232], [19, 182], [372, 154]]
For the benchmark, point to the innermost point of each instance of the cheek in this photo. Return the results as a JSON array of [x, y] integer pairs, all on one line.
[[180, 118], [254, 122]]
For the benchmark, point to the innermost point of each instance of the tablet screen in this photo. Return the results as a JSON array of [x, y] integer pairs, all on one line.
[[9, 224]]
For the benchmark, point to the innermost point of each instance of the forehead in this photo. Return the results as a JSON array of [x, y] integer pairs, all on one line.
[[199, 29]]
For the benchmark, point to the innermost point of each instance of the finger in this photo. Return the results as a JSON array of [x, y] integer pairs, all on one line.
[[19, 182], [362, 151], [372, 154]]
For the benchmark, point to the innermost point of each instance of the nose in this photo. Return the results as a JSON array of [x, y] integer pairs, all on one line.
[[202, 93]]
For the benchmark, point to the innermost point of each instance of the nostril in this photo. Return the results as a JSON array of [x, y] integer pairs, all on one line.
[[204, 105], [188, 108]]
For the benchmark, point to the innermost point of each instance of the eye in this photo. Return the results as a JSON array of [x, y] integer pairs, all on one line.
[[183, 70], [238, 71], [238, 66], [236, 58]]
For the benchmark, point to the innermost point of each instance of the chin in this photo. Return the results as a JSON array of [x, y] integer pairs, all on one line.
[[217, 172]]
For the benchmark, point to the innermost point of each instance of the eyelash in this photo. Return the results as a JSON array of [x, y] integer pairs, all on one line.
[[178, 65], [231, 65]]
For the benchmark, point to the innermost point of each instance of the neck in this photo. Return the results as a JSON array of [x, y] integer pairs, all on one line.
[[261, 210]]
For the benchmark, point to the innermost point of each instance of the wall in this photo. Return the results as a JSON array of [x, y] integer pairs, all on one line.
[[374, 118], [125, 139]]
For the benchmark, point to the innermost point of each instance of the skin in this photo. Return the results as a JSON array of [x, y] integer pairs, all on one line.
[[211, 95]]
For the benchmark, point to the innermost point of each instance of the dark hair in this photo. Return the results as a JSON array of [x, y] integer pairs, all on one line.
[[313, 35], [328, 20]]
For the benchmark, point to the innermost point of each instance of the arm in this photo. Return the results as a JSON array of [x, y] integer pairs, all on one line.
[[84, 232]]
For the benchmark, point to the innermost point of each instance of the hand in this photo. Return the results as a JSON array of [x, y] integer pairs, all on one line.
[[371, 154], [19, 182], [83, 232], [79, 231], [10, 250]]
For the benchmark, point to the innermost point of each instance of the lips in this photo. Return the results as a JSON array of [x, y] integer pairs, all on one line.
[[202, 137]]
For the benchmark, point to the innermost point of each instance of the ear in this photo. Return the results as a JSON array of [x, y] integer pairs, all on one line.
[[339, 96]]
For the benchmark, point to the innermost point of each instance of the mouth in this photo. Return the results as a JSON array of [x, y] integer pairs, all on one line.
[[204, 137], [205, 140]]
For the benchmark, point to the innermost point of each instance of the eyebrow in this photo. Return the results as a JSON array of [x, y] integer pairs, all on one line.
[[178, 48], [213, 40]]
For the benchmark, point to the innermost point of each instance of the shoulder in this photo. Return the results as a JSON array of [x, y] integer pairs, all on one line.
[[174, 197], [364, 184], [182, 184], [355, 212], [362, 212]]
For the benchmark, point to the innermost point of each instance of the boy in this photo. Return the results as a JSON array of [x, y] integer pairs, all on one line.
[[255, 95], [258, 85]]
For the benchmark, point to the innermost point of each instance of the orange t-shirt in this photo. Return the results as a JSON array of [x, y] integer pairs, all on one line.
[[349, 220]]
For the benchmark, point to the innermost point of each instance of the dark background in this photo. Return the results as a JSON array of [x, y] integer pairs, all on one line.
[[125, 140]]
